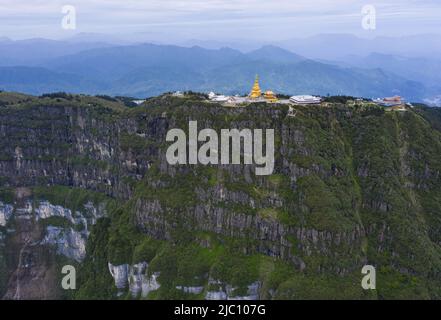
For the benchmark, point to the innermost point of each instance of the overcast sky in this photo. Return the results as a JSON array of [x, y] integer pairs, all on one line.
[[173, 20]]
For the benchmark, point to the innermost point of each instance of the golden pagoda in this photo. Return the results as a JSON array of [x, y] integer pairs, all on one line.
[[256, 92], [270, 96]]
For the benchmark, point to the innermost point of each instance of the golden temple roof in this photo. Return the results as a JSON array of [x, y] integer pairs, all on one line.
[[255, 91], [270, 96]]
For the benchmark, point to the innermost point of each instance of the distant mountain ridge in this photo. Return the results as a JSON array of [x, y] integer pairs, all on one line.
[[334, 46], [428, 70], [275, 54], [148, 69], [34, 52]]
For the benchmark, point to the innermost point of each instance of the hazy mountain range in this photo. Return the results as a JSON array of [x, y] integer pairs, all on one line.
[[336, 46], [85, 65]]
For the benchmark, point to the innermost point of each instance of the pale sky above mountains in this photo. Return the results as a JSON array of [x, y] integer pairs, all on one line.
[[176, 21]]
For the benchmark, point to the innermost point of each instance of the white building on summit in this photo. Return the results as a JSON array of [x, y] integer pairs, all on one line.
[[390, 102], [305, 99], [217, 98]]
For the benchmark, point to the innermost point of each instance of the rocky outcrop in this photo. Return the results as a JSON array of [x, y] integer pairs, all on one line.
[[191, 290], [69, 243], [69, 239], [33, 240], [135, 278], [5, 213], [31, 272], [272, 237], [227, 292], [69, 145]]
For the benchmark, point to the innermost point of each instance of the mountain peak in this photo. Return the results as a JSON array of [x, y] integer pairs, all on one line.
[[275, 54]]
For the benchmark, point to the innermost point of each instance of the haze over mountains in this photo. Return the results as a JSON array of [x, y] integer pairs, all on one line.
[[326, 64], [334, 46]]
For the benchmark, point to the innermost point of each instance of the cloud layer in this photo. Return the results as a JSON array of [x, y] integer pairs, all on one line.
[[172, 20]]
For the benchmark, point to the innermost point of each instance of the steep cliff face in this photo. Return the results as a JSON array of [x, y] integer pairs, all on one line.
[[38, 239], [352, 185]]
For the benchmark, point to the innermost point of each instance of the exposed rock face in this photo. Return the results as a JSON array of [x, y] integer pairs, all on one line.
[[83, 151], [191, 290], [134, 278], [216, 295], [227, 292], [120, 274], [5, 213], [31, 243], [69, 243], [271, 235], [33, 274], [46, 210]]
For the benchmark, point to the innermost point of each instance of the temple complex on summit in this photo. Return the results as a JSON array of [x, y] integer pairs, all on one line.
[[256, 95]]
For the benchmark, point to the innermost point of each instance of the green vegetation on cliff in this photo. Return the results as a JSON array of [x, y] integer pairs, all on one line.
[[352, 185]]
